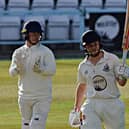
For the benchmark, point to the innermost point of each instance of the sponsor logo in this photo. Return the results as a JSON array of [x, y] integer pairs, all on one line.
[[99, 82], [108, 27]]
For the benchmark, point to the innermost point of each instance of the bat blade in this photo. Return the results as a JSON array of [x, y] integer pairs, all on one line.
[[125, 44], [125, 47]]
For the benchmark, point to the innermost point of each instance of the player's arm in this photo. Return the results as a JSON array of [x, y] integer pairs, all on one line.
[[79, 96], [49, 67], [17, 64], [76, 117], [13, 69]]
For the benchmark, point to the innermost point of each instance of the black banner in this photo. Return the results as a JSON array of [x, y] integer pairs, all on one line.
[[110, 26]]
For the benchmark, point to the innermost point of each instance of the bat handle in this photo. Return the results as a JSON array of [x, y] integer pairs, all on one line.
[[124, 57], [81, 118]]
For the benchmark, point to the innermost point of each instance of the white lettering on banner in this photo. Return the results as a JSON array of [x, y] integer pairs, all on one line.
[[107, 26]]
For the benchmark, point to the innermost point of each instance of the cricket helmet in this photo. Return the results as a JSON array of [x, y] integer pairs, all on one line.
[[32, 26], [89, 37]]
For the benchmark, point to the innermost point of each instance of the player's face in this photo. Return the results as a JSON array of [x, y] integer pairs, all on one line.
[[34, 37], [93, 48]]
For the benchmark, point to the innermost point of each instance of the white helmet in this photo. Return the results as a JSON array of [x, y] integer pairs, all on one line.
[[74, 119]]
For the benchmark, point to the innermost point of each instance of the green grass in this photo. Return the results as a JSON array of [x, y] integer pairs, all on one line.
[[64, 84]]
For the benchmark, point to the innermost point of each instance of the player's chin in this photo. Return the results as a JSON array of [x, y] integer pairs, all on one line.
[[34, 42], [94, 54]]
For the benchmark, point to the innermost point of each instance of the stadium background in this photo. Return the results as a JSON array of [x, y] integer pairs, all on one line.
[[64, 22], [64, 46]]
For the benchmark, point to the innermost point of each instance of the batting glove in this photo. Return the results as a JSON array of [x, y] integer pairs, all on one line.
[[37, 66], [123, 71], [74, 119]]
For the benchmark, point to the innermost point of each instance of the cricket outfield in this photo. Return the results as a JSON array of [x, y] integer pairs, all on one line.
[[64, 84]]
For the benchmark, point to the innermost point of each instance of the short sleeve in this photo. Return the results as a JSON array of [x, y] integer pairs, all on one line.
[[80, 75], [117, 63]]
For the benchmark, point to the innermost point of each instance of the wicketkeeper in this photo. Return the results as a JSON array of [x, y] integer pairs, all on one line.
[[35, 64], [98, 77]]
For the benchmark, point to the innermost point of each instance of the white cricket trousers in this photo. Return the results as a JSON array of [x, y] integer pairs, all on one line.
[[110, 112], [34, 112]]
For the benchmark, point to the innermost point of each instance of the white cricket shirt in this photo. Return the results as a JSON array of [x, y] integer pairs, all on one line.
[[30, 83], [100, 79]]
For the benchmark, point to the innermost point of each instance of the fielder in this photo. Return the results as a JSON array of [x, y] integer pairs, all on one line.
[[98, 76], [35, 65]]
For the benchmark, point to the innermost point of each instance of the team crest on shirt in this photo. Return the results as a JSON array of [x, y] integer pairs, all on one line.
[[86, 72], [106, 68]]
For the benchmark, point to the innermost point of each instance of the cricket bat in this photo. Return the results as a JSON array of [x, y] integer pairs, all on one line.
[[125, 47], [125, 44]]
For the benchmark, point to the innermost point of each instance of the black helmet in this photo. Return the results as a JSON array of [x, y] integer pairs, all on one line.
[[32, 26], [89, 37]]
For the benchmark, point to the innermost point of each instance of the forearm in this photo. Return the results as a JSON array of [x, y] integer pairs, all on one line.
[[79, 96], [13, 71], [48, 70], [49, 67], [17, 64]]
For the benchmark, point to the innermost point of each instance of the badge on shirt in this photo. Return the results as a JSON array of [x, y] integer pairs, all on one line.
[[86, 72], [106, 68]]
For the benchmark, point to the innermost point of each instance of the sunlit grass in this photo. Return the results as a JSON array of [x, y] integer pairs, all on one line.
[[64, 84]]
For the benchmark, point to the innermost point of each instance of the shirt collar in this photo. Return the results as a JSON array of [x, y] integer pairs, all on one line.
[[105, 57], [32, 47]]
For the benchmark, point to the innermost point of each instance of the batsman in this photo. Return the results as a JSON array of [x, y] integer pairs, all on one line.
[[35, 65], [100, 75]]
